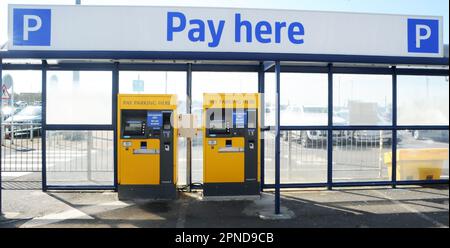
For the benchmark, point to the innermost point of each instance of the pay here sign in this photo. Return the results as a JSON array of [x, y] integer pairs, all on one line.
[[176, 29]]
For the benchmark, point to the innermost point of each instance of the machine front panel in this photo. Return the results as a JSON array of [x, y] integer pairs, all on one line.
[[140, 161], [224, 161]]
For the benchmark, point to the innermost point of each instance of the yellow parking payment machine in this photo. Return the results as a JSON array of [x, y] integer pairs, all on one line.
[[147, 146], [231, 144]]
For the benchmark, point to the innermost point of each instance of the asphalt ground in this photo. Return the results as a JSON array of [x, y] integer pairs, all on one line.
[[409, 206]]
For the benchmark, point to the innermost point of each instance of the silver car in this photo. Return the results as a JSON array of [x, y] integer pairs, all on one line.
[[25, 122], [307, 115]]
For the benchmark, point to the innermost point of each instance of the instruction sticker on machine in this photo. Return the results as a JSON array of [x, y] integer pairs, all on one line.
[[239, 118], [154, 119]]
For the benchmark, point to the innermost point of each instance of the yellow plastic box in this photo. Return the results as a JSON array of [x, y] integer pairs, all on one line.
[[418, 164]]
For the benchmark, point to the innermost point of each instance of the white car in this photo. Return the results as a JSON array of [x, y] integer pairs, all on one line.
[[311, 115], [372, 136]]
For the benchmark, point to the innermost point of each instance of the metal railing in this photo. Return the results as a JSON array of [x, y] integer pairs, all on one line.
[[21, 147], [79, 157], [304, 155]]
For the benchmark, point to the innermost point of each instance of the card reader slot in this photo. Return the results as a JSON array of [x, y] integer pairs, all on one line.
[[231, 149], [146, 151]]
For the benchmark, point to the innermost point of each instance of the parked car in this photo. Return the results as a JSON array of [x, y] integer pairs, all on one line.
[[8, 111], [436, 135], [372, 136], [24, 122], [343, 114], [307, 115]]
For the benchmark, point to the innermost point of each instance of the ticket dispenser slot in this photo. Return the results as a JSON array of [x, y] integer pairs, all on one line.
[[146, 152], [231, 147]]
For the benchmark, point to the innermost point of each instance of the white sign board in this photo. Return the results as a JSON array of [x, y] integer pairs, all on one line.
[[177, 29]]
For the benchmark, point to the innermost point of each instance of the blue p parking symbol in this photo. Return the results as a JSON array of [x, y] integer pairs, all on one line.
[[31, 27], [423, 36]]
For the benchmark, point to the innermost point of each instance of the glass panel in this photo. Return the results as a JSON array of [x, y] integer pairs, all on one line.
[[269, 158], [80, 158], [421, 155], [362, 99], [269, 98], [23, 88], [197, 159], [181, 169], [304, 156], [223, 82], [358, 155], [155, 82], [160, 82], [214, 82], [21, 118], [304, 99], [79, 97], [423, 100]]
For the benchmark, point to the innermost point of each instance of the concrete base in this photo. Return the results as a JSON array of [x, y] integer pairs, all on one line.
[[147, 192], [8, 217], [285, 214], [264, 208], [231, 189]]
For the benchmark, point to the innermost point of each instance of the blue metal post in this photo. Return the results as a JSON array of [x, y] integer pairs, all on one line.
[[115, 91], [277, 138], [394, 124], [1, 135], [189, 140], [330, 129], [44, 125], [261, 86]]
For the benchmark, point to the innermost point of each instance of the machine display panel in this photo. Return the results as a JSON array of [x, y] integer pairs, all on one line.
[[133, 127]]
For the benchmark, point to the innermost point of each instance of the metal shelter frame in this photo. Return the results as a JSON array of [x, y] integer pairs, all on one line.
[[116, 61]]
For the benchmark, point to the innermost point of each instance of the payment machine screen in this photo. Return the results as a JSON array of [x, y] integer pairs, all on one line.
[[133, 126], [154, 119]]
